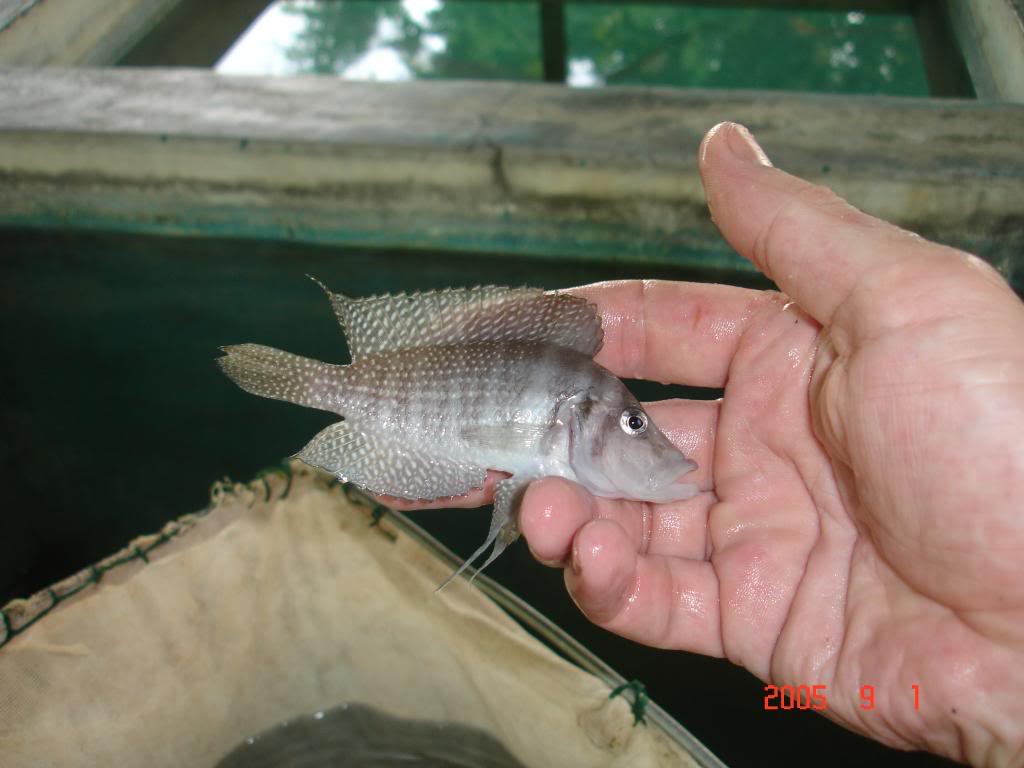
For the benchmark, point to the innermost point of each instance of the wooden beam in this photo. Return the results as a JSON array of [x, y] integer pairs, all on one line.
[[991, 36], [553, 42], [943, 60], [548, 171], [74, 32], [11, 10], [195, 34]]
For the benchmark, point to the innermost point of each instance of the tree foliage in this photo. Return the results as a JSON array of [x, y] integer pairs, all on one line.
[[621, 43]]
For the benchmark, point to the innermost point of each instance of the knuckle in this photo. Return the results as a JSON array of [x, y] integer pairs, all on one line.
[[786, 224], [821, 197], [793, 222]]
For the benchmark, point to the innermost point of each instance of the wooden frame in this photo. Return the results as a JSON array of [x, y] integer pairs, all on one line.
[[991, 36], [538, 170], [75, 32], [524, 169], [984, 37]]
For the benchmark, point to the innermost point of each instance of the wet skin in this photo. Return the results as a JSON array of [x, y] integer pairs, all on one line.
[[865, 523]]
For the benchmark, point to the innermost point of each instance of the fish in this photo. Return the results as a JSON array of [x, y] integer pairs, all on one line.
[[445, 385]]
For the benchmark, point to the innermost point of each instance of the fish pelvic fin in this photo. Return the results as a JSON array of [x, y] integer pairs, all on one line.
[[504, 530], [279, 375]]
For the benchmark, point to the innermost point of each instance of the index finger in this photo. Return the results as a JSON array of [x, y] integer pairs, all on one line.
[[672, 332]]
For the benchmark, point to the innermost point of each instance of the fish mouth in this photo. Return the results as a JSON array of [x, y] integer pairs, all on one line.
[[676, 489], [686, 467]]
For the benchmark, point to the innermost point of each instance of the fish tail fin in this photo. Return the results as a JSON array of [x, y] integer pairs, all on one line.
[[279, 375]]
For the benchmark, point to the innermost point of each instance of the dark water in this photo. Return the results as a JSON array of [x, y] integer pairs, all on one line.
[[114, 419], [360, 736]]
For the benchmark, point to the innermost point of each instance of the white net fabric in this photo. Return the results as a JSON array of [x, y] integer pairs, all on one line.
[[284, 600]]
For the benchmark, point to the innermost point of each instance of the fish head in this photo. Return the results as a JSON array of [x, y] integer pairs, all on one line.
[[617, 451]]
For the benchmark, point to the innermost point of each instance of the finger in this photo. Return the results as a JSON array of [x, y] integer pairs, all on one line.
[[681, 333], [477, 497], [814, 245], [667, 602], [554, 510]]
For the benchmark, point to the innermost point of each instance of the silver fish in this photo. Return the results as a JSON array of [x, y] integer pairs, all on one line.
[[445, 385]]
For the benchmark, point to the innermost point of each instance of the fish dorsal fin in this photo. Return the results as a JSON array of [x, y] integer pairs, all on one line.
[[464, 315]]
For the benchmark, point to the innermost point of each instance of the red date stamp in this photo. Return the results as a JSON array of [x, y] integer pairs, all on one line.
[[815, 697]]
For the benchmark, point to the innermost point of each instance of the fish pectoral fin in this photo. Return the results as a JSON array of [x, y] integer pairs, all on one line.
[[504, 530], [383, 466], [505, 436]]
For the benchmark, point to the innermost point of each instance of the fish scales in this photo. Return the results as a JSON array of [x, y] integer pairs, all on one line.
[[446, 385], [436, 396]]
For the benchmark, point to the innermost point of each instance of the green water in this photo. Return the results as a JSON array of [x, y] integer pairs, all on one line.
[[608, 44]]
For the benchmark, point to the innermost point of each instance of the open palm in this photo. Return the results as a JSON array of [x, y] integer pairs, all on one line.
[[866, 526], [863, 523]]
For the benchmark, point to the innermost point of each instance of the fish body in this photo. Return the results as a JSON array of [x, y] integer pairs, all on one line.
[[483, 403], [445, 385]]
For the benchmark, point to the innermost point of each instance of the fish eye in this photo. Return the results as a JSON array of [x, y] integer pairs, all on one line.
[[633, 421]]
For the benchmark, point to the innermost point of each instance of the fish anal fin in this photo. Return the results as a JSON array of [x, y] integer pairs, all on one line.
[[383, 466]]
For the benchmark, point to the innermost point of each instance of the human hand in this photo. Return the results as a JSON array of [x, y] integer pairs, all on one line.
[[867, 519], [865, 525]]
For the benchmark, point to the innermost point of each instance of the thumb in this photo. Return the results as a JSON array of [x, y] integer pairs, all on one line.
[[814, 245]]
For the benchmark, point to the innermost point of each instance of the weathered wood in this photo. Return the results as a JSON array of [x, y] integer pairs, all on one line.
[[196, 33], [10, 10], [943, 60], [991, 36], [553, 41], [74, 32], [493, 167]]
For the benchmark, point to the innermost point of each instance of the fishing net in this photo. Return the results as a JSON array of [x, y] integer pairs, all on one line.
[[289, 596]]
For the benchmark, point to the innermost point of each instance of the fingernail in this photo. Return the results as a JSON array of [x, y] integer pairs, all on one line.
[[739, 142], [743, 146]]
